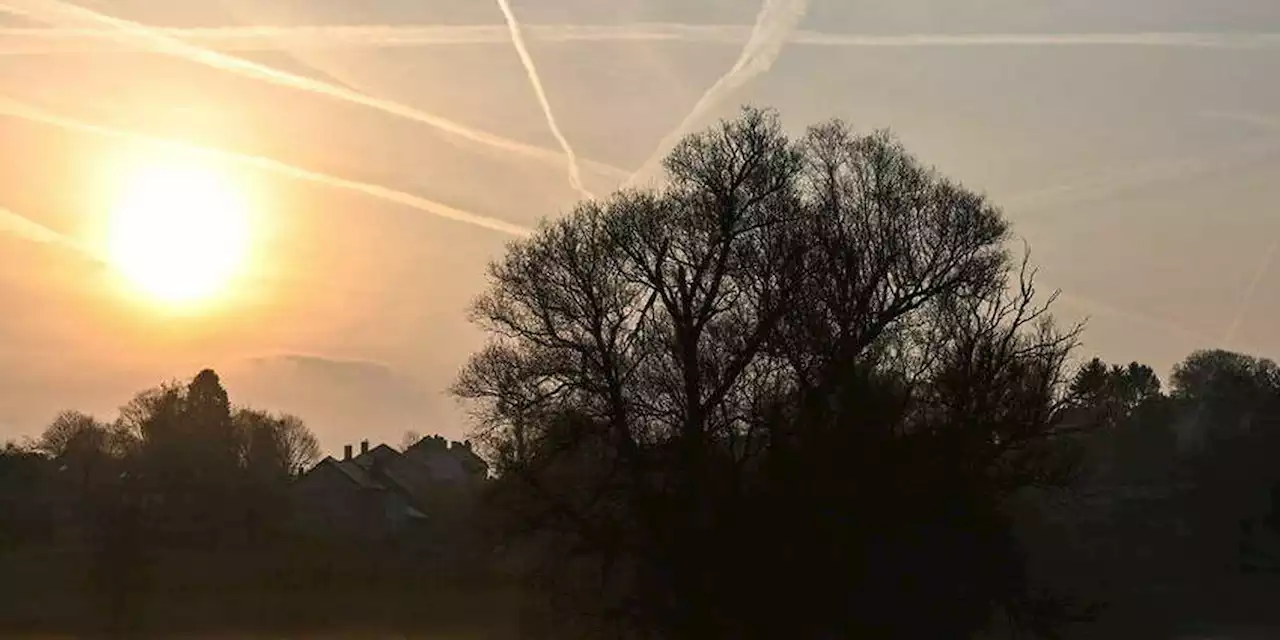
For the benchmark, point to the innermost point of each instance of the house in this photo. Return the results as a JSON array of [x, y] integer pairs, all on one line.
[[384, 494]]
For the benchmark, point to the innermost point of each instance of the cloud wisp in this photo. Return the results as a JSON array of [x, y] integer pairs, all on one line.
[[774, 23], [60, 13], [535, 81], [28, 112]]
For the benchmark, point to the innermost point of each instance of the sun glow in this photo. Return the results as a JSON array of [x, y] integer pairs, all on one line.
[[178, 232]]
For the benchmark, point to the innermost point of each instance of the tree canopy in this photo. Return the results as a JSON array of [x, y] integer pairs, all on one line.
[[688, 385]]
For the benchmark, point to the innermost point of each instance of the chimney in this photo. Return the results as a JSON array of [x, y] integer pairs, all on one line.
[[346, 452], [364, 447]]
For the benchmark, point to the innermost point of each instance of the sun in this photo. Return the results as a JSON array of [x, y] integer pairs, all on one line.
[[178, 231]]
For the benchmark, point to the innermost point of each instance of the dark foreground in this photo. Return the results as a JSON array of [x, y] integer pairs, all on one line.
[[312, 592]]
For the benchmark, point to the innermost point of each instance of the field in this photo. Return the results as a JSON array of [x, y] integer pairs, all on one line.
[[51, 592]]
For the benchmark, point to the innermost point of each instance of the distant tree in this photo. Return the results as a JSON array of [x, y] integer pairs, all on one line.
[[261, 450], [787, 394], [281, 442], [1092, 383], [409, 439], [206, 412], [189, 455], [137, 415], [1114, 392], [73, 432], [25, 480], [1220, 381], [300, 447], [1141, 384], [1226, 409]]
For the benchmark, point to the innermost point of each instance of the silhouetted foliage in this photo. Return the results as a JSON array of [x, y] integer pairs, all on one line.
[[1174, 515], [179, 472], [787, 394], [25, 495], [276, 444]]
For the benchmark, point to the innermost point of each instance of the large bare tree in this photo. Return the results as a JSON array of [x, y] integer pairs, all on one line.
[[655, 357]]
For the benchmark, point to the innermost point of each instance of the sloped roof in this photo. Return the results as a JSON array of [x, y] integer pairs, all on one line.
[[412, 474], [379, 454], [357, 474], [451, 463]]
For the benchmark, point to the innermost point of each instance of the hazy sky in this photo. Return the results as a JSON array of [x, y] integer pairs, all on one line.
[[391, 148]]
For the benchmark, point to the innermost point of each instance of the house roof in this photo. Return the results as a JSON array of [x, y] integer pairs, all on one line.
[[381, 453], [413, 473]]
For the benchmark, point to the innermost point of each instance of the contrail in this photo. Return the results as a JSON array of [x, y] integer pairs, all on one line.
[[55, 11], [1258, 275], [517, 40], [1252, 119], [1139, 176], [28, 229], [776, 20], [1265, 122], [1096, 306], [259, 38], [28, 112], [15, 41], [1150, 39]]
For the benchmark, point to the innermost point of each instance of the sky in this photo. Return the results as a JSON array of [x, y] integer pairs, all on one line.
[[390, 149]]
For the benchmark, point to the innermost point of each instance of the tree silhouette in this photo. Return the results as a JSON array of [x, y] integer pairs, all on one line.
[[25, 494], [281, 443], [73, 433], [799, 356]]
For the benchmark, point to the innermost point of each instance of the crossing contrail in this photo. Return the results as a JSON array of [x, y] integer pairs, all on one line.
[[1247, 301], [774, 23], [58, 12], [1264, 122], [20, 110], [517, 40], [1105, 183], [33, 41], [1092, 305]]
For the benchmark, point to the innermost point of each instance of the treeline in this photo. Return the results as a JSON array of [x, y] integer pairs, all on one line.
[[1172, 524], [177, 518], [180, 457], [804, 390]]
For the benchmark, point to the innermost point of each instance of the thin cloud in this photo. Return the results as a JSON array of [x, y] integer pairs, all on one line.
[[774, 23], [517, 40], [15, 41], [56, 12], [35, 114]]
